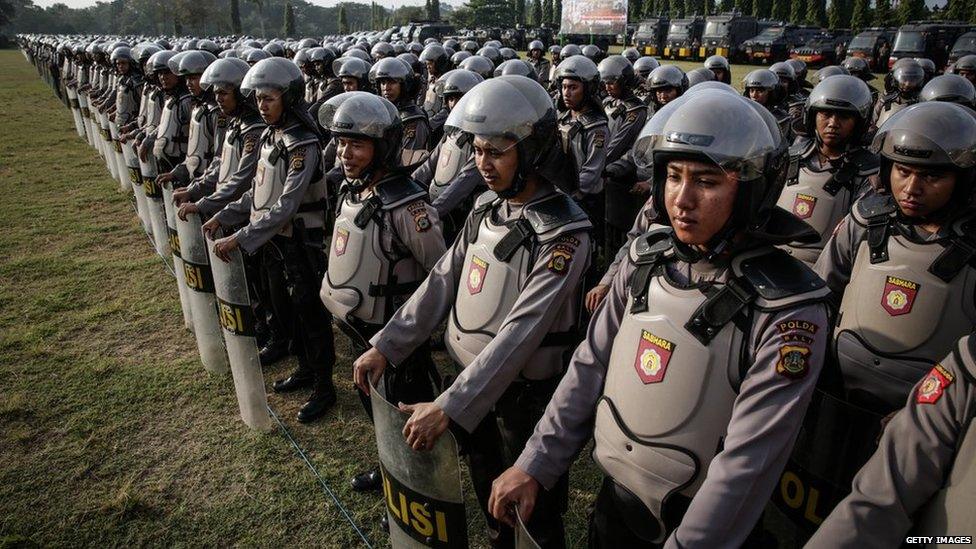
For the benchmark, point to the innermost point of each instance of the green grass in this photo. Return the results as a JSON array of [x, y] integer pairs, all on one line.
[[111, 432]]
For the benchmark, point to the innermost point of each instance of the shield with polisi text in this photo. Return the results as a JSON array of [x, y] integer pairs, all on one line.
[[422, 490]]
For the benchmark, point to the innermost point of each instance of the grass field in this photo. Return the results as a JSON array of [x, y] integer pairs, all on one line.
[[111, 432]]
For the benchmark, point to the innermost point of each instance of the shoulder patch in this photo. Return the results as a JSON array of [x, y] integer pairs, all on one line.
[[559, 261], [297, 160], [599, 139], [932, 386], [631, 117], [410, 130], [250, 142], [794, 361], [421, 218]]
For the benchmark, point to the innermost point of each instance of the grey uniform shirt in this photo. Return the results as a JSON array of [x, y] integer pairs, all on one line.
[[913, 460], [413, 146], [766, 416], [626, 126], [461, 186], [255, 234], [536, 310], [210, 197], [594, 145], [645, 217]]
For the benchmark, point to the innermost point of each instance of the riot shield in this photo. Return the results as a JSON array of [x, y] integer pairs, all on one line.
[[125, 184], [75, 110], [523, 539], [135, 177], [154, 208], [199, 282], [424, 501], [86, 118], [835, 441], [108, 148], [237, 323], [174, 246]]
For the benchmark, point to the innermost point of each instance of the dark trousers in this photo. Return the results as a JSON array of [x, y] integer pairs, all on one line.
[[494, 446], [293, 287]]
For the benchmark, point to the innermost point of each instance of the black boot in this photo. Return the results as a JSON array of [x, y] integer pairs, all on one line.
[[367, 482], [322, 399], [300, 379], [273, 351]]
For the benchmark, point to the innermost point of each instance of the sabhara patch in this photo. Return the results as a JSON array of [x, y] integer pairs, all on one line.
[[559, 262], [933, 385], [898, 295], [298, 160], [803, 205], [250, 142], [341, 241], [599, 140], [653, 355], [477, 272], [794, 361]]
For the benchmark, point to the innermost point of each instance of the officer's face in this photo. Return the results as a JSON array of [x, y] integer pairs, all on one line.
[[431, 68], [572, 93], [167, 80], [719, 74], [270, 105], [226, 99], [920, 191], [390, 90], [834, 127], [122, 66], [759, 95], [350, 84], [496, 167], [699, 198], [666, 95], [451, 100], [193, 83], [614, 89], [355, 155], [968, 75]]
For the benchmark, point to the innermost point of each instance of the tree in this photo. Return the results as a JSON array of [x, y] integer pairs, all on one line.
[[956, 10], [740, 6], [759, 9], [815, 13], [434, 11], [7, 13], [547, 12], [519, 10], [836, 18], [343, 21], [796, 10], [557, 12], [910, 10], [860, 17], [780, 10], [235, 16], [535, 14], [882, 13]]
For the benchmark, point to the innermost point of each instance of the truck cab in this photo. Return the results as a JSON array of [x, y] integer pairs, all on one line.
[[868, 45], [650, 35], [931, 39], [684, 35], [724, 34]]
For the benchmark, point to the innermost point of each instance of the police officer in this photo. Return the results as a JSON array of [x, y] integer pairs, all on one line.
[[763, 87], [859, 67], [168, 140], [385, 239], [437, 63], [284, 216], [643, 68], [720, 67], [542, 66], [665, 84], [449, 173], [907, 81], [952, 88], [692, 410], [511, 286], [966, 67], [205, 120], [398, 84], [555, 55], [920, 481], [353, 73], [831, 169]]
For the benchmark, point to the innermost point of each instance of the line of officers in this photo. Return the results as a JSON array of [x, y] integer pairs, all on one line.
[[711, 286]]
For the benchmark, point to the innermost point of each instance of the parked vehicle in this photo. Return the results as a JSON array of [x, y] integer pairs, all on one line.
[[821, 50], [965, 45], [869, 43], [684, 37], [774, 43], [650, 35], [931, 39], [725, 33]]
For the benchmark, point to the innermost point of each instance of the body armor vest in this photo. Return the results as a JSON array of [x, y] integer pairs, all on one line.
[[950, 511], [571, 134], [127, 100], [171, 135], [454, 153], [618, 109], [821, 197], [892, 105], [433, 103], [906, 303], [232, 148], [497, 262], [667, 351], [277, 149], [364, 276], [411, 152], [542, 68], [200, 140]]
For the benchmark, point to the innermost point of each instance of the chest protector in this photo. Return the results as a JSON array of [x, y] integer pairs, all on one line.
[[126, 101], [232, 147], [683, 348], [365, 274], [907, 302], [412, 151], [433, 103], [454, 154], [891, 107], [617, 111], [200, 140], [497, 262], [950, 511], [571, 134], [277, 150], [821, 197], [171, 135]]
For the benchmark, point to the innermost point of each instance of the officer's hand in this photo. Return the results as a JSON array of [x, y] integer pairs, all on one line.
[[595, 296], [180, 196], [641, 187], [186, 209], [224, 246], [426, 424], [513, 488], [163, 178], [368, 368], [211, 227], [143, 151]]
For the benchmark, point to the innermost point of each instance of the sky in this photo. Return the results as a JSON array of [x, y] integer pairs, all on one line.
[[326, 3]]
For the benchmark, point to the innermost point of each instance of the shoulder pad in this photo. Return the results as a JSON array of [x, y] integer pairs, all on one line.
[[485, 199], [873, 205], [397, 191], [411, 113], [802, 146], [778, 278], [633, 104], [592, 118], [555, 214], [251, 121], [298, 135], [648, 246], [868, 163]]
